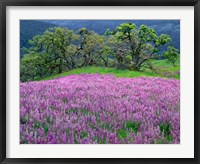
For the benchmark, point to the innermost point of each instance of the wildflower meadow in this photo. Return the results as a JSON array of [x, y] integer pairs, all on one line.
[[100, 109]]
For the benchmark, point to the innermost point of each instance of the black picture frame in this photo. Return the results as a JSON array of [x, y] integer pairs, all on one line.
[[5, 3]]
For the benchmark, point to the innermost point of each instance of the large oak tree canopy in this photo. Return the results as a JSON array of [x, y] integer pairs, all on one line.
[[143, 43]]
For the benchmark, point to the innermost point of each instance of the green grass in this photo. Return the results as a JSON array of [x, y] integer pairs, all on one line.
[[102, 70], [164, 69], [164, 64]]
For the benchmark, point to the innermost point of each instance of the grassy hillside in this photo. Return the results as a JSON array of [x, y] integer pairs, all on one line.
[[164, 69], [101, 70]]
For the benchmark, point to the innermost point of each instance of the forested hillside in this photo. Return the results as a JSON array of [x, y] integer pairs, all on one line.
[[30, 28]]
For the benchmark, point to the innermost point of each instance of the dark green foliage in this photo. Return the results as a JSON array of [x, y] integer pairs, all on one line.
[[166, 127], [49, 53], [100, 141], [23, 120], [83, 134], [121, 133], [160, 142], [134, 126], [65, 100], [45, 127], [171, 55], [107, 126], [37, 125], [48, 120]]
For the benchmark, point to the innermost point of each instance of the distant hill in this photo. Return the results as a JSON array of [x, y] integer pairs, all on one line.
[[30, 28]]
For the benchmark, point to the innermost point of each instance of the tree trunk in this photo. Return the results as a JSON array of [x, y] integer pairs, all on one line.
[[136, 67], [85, 61], [105, 62], [60, 66]]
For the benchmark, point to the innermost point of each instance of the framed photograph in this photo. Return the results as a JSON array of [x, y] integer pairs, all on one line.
[[103, 81]]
